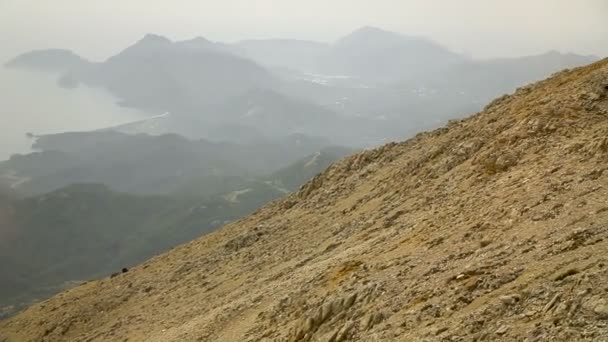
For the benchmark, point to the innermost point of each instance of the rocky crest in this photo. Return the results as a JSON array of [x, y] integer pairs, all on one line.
[[492, 228]]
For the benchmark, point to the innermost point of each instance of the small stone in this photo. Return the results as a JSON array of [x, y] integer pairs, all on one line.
[[594, 96], [299, 334], [601, 310], [343, 333], [566, 274], [584, 292], [333, 336], [377, 318], [318, 317], [309, 325], [505, 161], [502, 330], [510, 299], [485, 243], [326, 311], [562, 308], [441, 331], [552, 303], [336, 305], [350, 301], [367, 322], [471, 284]]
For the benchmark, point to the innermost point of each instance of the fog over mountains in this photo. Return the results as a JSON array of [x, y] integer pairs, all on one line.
[[32, 102], [370, 81], [176, 138], [491, 228]]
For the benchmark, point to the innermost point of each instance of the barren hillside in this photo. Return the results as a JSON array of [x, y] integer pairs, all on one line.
[[491, 228]]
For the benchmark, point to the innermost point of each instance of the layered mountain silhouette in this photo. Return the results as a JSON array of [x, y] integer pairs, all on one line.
[[493, 227], [369, 53], [382, 85], [374, 54], [473, 78]]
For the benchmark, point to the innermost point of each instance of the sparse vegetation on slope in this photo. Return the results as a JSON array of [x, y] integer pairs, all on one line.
[[491, 228]]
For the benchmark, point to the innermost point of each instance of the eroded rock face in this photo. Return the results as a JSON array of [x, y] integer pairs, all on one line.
[[492, 228]]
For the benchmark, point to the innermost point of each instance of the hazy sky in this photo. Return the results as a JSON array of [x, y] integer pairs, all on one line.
[[97, 29]]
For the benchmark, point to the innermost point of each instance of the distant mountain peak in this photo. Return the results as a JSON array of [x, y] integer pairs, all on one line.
[[197, 42], [371, 30], [200, 39], [155, 38], [373, 37], [49, 59], [557, 53], [150, 42], [374, 53]]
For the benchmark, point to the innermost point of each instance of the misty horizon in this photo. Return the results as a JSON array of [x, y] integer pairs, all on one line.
[[92, 107], [472, 27], [367, 169], [328, 43], [55, 110]]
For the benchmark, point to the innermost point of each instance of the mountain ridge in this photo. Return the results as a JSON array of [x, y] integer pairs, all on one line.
[[374, 80]]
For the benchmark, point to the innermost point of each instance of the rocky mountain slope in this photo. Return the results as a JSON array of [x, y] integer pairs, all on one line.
[[491, 228]]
